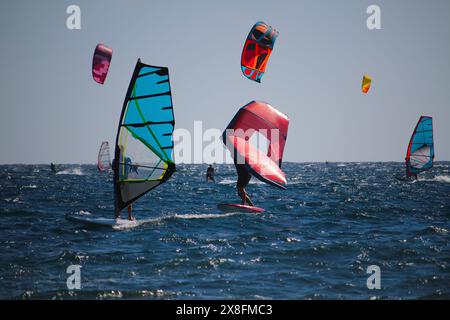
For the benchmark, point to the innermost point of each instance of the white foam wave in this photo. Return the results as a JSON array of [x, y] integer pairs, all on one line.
[[227, 181], [123, 224], [83, 213], [230, 181], [31, 186], [442, 179], [208, 215], [75, 171]]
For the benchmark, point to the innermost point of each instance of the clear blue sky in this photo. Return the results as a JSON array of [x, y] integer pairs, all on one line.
[[52, 110]]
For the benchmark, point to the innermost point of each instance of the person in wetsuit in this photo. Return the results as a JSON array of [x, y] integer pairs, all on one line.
[[210, 174], [52, 167], [409, 175], [117, 177], [243, 179]]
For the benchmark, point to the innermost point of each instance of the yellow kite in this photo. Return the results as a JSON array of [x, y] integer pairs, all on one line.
[[366, 83]]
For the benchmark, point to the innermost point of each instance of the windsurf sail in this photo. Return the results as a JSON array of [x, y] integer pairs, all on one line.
[[264, 158], [100, 62], [104, 158], [144, 143], [257, 49], [366, 82], [420, 153]]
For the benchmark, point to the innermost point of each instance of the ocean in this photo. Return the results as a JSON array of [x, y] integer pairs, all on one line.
[[316, 239]]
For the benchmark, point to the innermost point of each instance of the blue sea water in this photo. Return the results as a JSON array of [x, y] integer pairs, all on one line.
[[315, 240]]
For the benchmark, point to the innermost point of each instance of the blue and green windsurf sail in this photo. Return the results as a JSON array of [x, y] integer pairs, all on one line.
[[420, 153], [144, 143]]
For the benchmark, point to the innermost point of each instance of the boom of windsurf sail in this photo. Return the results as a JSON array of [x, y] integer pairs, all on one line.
[[257, 49], [259, 119], [420, 153], [144, 143], [104, 158]]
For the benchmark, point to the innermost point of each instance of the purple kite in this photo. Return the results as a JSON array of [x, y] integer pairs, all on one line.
[[101, 62]]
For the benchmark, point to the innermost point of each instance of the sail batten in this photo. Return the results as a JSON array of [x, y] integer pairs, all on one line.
[[144, 143]]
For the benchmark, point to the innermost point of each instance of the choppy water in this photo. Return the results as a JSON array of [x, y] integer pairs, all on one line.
[[316, 239]]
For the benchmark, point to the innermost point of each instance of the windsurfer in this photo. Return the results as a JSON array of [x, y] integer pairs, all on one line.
[[409, 175], [144, 141], [243, 179]]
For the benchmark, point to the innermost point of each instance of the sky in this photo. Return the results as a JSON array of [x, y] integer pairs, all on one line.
[[52, 110]]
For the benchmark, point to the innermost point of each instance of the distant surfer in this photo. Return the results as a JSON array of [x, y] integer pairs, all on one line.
[[52, 167], [210, 174], [243, 179], [410, 175]]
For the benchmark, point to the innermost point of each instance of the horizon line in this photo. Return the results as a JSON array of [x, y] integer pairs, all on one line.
[[206, 163]]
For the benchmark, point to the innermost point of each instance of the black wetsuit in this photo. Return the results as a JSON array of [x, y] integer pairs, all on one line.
[[243, 179], [243, 176], [210, 174]]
